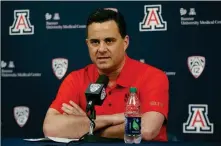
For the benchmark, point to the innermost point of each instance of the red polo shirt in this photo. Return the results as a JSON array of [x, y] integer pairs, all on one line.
[[152, 85]]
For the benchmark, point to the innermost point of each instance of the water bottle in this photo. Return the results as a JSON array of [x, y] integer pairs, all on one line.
[[132, 132]]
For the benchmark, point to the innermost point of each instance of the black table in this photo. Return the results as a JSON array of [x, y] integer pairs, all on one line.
[[21, 142]]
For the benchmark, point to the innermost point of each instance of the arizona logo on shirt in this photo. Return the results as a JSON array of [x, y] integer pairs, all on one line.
[[153, 20], [21, 24], [198, 121]]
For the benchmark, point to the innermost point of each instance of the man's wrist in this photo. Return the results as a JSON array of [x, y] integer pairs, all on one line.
[[114, 131], [107, 119]]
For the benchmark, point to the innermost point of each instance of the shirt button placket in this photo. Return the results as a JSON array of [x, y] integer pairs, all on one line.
[[110, 103]]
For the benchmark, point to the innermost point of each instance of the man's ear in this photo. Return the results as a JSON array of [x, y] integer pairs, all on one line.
[[126, 42], [87, 41]]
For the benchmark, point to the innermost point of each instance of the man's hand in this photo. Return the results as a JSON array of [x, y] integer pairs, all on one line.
[[116, 129], [72, 109]]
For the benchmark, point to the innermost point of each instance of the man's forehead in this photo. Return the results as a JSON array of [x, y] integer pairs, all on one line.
[[108, 29], [101, 35]]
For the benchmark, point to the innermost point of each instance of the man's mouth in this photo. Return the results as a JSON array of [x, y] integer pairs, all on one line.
[[101, 58]]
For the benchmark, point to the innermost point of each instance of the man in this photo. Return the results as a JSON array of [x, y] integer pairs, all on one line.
[[107, 42]]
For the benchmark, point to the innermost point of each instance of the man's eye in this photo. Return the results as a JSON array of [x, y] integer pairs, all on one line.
[[94, 42], [108, 41]]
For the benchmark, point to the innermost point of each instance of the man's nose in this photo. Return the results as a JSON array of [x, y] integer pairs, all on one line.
[[102, 47]]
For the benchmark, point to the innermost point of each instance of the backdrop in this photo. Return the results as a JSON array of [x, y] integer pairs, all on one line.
[[42, 42]]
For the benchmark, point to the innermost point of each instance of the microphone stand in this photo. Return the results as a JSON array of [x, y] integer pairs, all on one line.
[[92, 118], [91, 114], [90, 137]]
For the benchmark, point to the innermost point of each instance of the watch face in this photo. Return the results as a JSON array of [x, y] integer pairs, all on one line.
[[103, 94]]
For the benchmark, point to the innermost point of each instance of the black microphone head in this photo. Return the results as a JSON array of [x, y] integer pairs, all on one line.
[[96, 91], [103, 79]]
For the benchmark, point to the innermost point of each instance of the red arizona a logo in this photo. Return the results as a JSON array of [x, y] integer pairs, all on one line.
[[198, 121], [153, 20], [21, 24]]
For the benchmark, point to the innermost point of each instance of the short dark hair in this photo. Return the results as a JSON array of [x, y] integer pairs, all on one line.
[[102, 15]]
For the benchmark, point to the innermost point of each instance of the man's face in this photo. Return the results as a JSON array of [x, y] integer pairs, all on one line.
[[106, 46]]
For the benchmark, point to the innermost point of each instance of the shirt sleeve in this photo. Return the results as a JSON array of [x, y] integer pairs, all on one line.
[[68, 90], [154, 92]]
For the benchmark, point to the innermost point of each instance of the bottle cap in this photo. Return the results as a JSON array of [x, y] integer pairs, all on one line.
[[133, 89]]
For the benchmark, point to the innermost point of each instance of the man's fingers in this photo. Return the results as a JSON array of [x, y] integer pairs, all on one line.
[[67, 106], [67, 111], [72, 109], [77, 107], [74, 105]]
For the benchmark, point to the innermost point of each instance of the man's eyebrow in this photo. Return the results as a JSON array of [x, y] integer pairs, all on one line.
[[110, 38], [107, 38], [93, 39]]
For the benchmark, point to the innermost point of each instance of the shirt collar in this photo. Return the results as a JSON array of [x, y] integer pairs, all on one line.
[[124, 78]]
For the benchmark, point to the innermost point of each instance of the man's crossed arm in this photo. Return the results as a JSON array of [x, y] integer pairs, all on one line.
[[74, 123]]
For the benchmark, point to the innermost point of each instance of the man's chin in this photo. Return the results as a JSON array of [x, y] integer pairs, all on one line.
[[104, 67]]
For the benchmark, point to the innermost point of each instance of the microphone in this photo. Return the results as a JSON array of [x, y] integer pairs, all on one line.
[[95, 93]]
